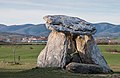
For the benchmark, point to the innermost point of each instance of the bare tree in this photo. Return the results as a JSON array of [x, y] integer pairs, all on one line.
[[14, 46]]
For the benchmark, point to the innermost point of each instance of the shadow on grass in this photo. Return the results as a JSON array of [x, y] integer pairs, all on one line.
[[118, 72], [50, 73]]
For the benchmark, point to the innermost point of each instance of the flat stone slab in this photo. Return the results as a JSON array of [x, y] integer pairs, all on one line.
[[67, 24], [84, 68]]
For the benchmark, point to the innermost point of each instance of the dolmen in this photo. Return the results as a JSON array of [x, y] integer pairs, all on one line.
[[71, 46]]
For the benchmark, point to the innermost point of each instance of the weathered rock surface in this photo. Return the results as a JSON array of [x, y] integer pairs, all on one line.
[[89, 52], [71, 40], [68, 24], [84, 68], [53, 55]]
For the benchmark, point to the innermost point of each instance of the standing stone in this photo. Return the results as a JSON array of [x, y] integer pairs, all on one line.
[[89, 52], [53, 55], [70, 41]]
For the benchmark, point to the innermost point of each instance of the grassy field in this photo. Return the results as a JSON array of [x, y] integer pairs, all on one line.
[[113, 60], [27, 63]]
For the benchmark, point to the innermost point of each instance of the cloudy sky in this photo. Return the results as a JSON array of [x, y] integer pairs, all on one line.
[[32, 11]]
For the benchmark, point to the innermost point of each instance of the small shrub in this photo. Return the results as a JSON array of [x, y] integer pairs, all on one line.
[[112, 50], [31, 47]]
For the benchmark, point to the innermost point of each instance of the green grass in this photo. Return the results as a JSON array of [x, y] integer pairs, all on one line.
[[113, 60], [52, 73], [24, 51], [26, 68]]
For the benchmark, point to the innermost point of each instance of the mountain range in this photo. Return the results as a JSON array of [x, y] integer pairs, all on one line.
[[107, 30], [26, 29], [103, 29]]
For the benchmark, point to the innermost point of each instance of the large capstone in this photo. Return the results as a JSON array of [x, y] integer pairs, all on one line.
[[66, 24], [70, 41]]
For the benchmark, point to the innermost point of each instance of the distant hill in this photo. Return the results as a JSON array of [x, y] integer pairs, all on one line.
[[103, 29], [28, 29], [6, 34], [107, 30]]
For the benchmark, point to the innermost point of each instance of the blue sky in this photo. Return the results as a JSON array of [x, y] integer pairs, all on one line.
[[32, 11]]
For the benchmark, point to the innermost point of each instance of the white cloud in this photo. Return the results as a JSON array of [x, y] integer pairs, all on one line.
[[32, 11]]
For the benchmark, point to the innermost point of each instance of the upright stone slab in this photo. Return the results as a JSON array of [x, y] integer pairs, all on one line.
[[54, 53], [70, 41], [89, 52]]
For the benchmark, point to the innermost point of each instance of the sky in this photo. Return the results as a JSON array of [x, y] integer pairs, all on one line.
[[32, 11]]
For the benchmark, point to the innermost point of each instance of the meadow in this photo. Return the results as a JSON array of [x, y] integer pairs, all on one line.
[[26, 57]]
